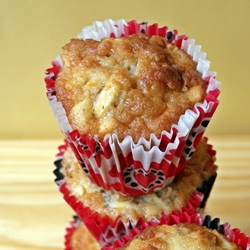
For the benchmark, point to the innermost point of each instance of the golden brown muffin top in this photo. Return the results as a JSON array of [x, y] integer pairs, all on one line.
[[134, 85], [175, 195], [181, 236], [83, 239]]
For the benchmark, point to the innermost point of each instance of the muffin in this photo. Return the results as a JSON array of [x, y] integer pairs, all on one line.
[[180, 236], [109, 215], [78, 237], [132, 97], [182, 232]]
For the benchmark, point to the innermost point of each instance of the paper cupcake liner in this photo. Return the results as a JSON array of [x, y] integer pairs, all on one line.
[[73, 225], [234, 235], [106, 230], [173, 218], [148, 165]]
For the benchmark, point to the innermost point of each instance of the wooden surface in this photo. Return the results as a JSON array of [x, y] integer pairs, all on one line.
[[33, 214]]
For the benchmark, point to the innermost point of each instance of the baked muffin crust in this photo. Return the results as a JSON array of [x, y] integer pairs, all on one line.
[[81, 239], [180, 236], [134, 85], [172, 197]]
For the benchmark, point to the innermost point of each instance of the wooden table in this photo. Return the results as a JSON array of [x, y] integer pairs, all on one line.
[[33, 214]]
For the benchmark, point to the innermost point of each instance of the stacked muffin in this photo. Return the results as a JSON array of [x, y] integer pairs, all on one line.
[[133, 101], [179, 231], [109, 214]]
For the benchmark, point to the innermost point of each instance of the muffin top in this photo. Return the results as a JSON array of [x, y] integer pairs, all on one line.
[[134, 85], [172, 197], [180, 236]]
